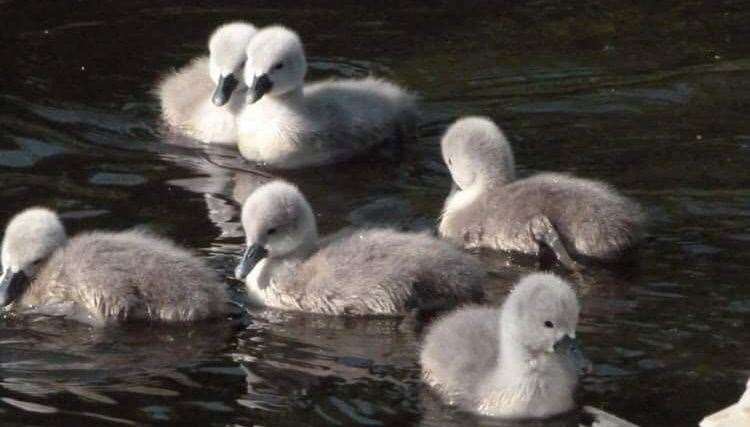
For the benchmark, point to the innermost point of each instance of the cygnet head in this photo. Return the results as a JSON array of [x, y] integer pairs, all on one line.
[[540, 314], [276, 63], [30, 238], [226, 49], [278, 221], [477, 152]]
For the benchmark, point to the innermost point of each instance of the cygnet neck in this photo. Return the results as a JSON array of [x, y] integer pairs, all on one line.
[[515, 359], [307, 247], [291, 96], [498, 177], [485, 183]]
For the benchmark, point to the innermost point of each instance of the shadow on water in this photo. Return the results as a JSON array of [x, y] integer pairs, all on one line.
[[652, 98]]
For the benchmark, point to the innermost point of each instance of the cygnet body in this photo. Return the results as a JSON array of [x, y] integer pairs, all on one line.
[[290, 125], [356, 272], [104, 277], [515, 362], [491, 208], [202, 100], [732, 416]]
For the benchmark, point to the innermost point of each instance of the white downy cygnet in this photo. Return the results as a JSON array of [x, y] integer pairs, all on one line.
[[733, 416], [516, 362], [356, 272], [202, 100], [288, 124], [104, 277], [489, 207]]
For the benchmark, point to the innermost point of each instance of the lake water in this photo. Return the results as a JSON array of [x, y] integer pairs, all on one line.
[[653, 98]]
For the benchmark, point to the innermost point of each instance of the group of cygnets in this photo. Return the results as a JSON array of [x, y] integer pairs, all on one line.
[[251, 92], [518, 361]]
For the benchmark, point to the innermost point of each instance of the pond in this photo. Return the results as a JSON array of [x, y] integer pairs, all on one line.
[[652, 98]]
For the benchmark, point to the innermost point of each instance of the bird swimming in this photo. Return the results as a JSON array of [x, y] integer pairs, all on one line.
[[103, 277], [203, 99], [575, 218], [288, 124], [355, 272], [518, 361]]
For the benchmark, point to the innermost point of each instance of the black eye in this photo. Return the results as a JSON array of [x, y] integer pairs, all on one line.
[[242, 64], [278, 66], [549, 324], [450, 162], [37, 262], [271, 231]]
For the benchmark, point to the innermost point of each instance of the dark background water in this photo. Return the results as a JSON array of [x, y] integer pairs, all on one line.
[[650, 96]]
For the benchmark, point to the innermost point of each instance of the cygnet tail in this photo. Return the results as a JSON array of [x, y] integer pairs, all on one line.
[[182, 91]]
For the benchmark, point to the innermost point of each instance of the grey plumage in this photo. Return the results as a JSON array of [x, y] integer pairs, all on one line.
[[186, 94], [104, 277], [354, 272], [508, 363], [492, 209], [290, 125]]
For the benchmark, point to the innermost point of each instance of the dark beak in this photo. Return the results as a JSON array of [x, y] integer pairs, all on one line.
[[454, 188], [261, 86], [12, 286], [224, 89], [572, 349], [252, 256]]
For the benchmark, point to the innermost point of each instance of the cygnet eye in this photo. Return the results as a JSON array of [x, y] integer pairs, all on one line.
[[242, 64], [549, 324], [278, 66], [37, 262], [450, 162], [271, 231]]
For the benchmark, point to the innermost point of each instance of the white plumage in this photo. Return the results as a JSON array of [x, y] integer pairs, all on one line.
[[290, 125], [188, 95]]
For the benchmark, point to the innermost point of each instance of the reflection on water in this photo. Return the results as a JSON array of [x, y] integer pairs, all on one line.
[[652, 98]]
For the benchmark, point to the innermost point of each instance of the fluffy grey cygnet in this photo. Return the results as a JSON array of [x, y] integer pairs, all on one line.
[[202, 100], [576, 218], [288, 124], [102, 277], [514, 362], [357, 272]]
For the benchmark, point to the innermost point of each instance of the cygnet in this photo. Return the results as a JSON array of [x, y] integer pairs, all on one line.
[[575, 218], [104, 277], [355, 272]]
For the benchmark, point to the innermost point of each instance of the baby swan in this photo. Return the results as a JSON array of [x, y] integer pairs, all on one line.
[[103, 277], [290, 125], [359, 272], [735, 415], [491, 208], [197, 100], [518, 362]]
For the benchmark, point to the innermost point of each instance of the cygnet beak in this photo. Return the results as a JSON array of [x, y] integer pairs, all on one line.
[[227, 84], [250, 258], [570, 347], [261, 86], [454, 188], [12, 285]]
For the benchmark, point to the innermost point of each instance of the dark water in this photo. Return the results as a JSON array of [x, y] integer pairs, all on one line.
[[652, 98]]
